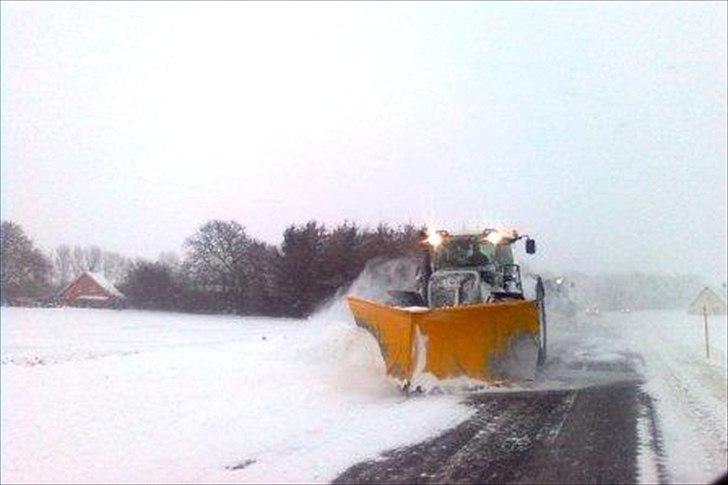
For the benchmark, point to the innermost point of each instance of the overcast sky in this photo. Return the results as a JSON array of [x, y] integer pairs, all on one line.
[[600, 129]]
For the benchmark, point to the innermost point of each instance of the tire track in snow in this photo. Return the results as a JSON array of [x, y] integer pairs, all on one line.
[[655, 442], [702, 421], [556, 436], [485, 449], [688, 399], [687, 394]]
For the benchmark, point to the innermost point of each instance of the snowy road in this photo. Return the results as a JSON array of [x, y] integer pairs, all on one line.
[[124, 396], [575, 436], [624, 398]]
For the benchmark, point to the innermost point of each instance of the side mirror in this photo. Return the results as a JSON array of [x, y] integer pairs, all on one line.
[[530, 246]]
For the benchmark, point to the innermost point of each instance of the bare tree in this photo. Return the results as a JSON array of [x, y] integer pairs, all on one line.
[[114, 265], [170, 260], [216, 260], [69, 263], [24, 270], [93, 258], [63, 264], [79, 260]]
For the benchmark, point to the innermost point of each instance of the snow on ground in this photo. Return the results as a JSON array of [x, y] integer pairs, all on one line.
[[105, 396], [129, 396], [689, 389]]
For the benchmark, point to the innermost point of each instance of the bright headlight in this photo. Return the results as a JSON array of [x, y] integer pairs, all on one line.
[[434, 239], [494, 237]]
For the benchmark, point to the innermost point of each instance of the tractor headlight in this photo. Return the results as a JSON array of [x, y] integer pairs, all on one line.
[[434, 239], [494, 237]]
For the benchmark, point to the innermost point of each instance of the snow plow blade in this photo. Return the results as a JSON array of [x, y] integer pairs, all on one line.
[[491, 342]]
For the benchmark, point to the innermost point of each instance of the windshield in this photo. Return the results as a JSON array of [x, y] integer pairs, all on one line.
[[459, 251]]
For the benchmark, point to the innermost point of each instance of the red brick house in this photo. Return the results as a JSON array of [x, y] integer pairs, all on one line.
[[91, 290]]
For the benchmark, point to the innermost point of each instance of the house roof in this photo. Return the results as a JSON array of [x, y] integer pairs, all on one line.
[[100, 280], [107, 285], [93, 298]]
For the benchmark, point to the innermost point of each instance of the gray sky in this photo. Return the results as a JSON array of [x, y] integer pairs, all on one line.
[[598, 128]]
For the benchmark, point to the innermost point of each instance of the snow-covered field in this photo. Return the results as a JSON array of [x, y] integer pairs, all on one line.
[[109, 396]]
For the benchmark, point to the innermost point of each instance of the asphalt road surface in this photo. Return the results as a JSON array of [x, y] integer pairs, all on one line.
[[585, 435]]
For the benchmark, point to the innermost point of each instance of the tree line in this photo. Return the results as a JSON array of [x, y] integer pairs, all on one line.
[[223, 269]]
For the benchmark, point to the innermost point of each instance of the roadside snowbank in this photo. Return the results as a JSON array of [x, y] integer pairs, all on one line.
[[689, 389], [667, 348], [112, 396]]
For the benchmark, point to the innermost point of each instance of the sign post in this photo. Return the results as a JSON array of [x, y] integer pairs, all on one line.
[[705, 320]]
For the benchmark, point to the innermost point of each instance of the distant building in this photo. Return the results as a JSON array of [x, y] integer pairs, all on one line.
[[91, 290], [710, 301]]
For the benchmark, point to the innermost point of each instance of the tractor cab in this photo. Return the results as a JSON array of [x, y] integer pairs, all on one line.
[[470, 250], [471, 268]]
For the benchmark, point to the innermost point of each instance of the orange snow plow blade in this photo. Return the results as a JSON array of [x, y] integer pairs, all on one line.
[[479, 341]]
